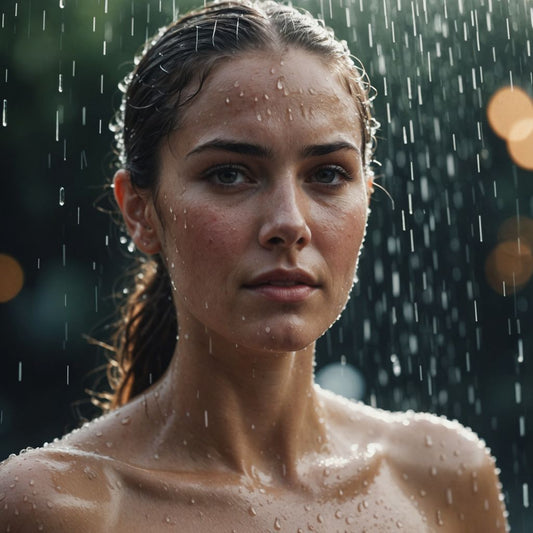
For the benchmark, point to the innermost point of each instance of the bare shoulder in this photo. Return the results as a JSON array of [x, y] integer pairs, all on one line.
[[52, 489], [452, 467], [441, 464]]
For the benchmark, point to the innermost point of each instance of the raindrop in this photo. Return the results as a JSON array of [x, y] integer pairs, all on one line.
[[61, 196], [4, 113]]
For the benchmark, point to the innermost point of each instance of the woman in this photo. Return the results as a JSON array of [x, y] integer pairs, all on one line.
[[245, 141]]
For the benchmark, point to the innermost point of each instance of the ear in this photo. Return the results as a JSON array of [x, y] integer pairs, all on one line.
[[138, 212]]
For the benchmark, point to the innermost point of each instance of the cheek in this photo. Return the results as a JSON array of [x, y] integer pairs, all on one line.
[[208, 240]]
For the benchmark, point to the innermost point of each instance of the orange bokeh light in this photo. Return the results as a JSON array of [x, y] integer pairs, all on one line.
[[11, 277], [506, 107], [510, 114], [520, 143], [509, 266]]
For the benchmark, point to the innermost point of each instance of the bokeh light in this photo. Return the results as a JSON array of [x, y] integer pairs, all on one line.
[[506, 107], [342, 378], [11, 277], [509, 266], [510, 114], [520, 143]]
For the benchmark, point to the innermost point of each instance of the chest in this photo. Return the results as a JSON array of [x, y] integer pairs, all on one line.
[[381, 506]]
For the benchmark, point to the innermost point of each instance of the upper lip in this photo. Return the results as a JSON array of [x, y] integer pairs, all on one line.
[[296, 276]]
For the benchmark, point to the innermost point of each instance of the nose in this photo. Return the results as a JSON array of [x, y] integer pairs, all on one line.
[[285, 217]]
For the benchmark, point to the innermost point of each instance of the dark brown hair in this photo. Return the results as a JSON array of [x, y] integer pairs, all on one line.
[[181, 56]]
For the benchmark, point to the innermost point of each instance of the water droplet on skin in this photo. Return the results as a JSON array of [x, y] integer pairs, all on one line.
[[91, 474], [227, 100], [236, 84], [109, 444], [31, 483], [320, 519], [125, 421], [449, 496], [49, 504], [438, 518], [277, 524], [156, 456], [349, 520], [338, 513], [259, 118], [433, 470], [267, 329], [422, 492], [279, 84], [252, 511], [266, 97], [399, 525], [307, 507], [241, 94], [429, 441]]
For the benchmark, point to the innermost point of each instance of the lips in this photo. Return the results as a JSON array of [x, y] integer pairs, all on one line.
[[283, 285], [283, 278]]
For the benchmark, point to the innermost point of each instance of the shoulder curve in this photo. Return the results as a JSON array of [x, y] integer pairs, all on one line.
[[452, 465], [48, 489]]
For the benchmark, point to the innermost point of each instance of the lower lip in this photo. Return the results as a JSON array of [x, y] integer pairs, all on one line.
[[279, 293]]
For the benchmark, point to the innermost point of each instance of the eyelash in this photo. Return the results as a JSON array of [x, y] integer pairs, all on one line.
[[215, 171]]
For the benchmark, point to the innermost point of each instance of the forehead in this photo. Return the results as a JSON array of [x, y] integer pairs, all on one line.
[[262, 93]]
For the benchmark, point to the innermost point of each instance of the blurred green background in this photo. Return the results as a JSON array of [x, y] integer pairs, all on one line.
[[427, 327]]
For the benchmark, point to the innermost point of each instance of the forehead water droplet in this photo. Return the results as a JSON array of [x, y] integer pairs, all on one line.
[[277, 524], [227, 100]]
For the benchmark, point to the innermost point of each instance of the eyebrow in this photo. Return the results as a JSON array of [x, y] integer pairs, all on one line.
[[232, 146], [313, 150]]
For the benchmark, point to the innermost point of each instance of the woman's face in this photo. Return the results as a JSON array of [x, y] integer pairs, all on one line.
[[261, 204]]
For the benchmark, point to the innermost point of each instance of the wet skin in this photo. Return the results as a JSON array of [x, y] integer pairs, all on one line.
[[259, 215]]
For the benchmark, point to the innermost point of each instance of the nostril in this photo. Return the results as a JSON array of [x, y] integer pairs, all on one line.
[[276, 240]]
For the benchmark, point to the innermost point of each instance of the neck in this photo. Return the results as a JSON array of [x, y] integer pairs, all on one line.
[[255, 413]]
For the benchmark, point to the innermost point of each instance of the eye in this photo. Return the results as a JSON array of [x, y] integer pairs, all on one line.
[[331, 175], [227, 176]]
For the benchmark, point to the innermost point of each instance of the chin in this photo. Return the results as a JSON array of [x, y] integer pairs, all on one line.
[[285, 338]]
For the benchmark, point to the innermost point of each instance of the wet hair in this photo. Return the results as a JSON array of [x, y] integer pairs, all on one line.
[[168, 74]]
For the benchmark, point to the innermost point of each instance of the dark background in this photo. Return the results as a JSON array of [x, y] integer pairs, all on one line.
[[424, 327]]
